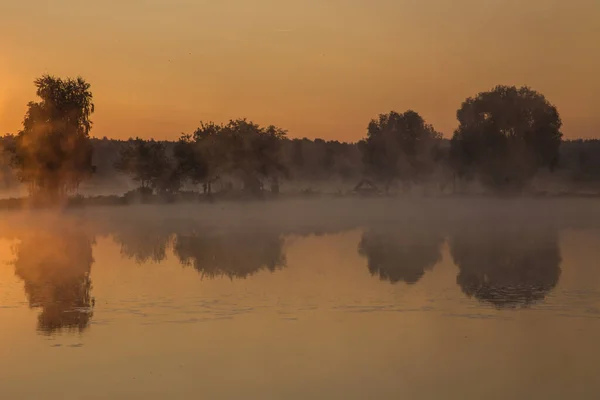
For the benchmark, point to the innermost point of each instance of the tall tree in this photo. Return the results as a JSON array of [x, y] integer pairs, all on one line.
[[400, 146], [52, 153], [505, 135]]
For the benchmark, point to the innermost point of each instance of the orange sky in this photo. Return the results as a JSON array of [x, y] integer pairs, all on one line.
[[319, 68]]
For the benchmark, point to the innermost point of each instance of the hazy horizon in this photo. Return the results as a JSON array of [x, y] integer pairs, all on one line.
[[315, 68], [235, 263]]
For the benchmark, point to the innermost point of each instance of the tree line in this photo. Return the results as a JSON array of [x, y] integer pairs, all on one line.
[[505, 137]]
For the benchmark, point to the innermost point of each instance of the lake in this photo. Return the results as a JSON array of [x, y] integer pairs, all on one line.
[[373, 299]]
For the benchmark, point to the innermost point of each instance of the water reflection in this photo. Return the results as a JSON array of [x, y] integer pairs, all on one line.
[[401, 254], [213, 252], [55, 267], [234, 255], [507, 267], [142, 241]]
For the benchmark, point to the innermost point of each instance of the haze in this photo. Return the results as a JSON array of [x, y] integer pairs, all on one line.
[[317, 68]]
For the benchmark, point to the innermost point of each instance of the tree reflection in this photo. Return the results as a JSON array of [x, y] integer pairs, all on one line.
[[55, 267], [401, 254], [507, 267], [234, 254], [143, 242]]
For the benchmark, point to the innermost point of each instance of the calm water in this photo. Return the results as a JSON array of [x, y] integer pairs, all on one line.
[[138, 305]]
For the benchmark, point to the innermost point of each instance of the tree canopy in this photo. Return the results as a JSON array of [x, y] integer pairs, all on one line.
[[145, 161], [400, 146], [240, 148], [505, 135], [52, 152]]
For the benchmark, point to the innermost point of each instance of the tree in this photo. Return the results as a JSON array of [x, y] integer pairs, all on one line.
[[266, 149], [400, 146], [505, 135], [201, 156], [8, 177], [250, 152], [52, 153], [297, 153], [240, 148], [145, 161]]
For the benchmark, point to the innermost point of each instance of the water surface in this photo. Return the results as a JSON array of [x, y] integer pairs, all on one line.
[[116, 306]]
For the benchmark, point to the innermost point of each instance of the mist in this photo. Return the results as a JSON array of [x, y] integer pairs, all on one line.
[[318, 200]]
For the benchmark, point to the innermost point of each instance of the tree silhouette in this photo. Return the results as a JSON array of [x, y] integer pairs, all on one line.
[[234, 255], [241, 149], [580, 159], [8, 177], [319, 160], [507, 267], [201, 156], [505, 136], [52, 153], [55, 267], [146, 161], [401, 254], [190, 163], [253, 152], [297, 156], [400, 146]]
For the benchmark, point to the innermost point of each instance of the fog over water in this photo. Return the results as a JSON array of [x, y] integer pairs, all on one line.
[[338, 298]]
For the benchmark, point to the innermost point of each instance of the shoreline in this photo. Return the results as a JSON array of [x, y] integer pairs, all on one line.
[[189, 198]]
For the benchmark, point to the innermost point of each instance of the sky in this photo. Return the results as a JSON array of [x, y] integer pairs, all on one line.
[[318, 68]]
